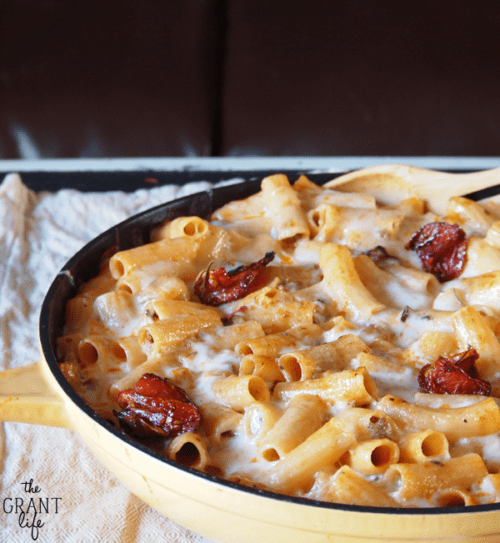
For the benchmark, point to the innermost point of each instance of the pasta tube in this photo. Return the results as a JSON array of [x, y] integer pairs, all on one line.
[[331, 356], [162, 335], [352, 386], [220, 421], [479, 419], [303, 416], [348, 487], [259, 419], [374, 456], [425, 446], [344, 285], [474, 332], [189, 227], [168, 250], [260, 365], [283, 206], [321, 449], [424, 480], [241, 391], [273, 345], [189, 449]]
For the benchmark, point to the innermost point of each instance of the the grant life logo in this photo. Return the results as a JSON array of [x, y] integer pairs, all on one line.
[[31, 509]]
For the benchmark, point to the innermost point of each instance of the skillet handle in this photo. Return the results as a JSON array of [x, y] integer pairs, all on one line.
[[27, 394]]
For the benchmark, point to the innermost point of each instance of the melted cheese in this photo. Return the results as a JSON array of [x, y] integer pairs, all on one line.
[[294, 299]]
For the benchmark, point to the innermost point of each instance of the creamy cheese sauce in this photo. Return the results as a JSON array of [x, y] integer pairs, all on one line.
[[102, 353]]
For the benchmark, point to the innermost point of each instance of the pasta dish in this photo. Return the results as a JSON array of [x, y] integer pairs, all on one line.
[[309, 341]]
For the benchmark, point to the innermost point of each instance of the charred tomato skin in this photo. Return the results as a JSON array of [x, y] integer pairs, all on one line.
[[217, 287], [156, 407], [454, 375], [442, 249]]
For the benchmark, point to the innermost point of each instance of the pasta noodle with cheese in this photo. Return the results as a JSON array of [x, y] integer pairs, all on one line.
[[306, 340]]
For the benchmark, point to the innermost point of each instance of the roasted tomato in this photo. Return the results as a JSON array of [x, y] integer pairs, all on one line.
[[156, 407], [442, 249], [455, 375], [216, 287]]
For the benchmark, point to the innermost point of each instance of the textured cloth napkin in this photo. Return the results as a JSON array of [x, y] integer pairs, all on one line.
[[81, 501]]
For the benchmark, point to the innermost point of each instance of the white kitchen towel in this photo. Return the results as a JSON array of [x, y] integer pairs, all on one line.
[[81, 501]]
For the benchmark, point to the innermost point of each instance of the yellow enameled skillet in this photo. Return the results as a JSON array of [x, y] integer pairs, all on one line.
[[217, 509]]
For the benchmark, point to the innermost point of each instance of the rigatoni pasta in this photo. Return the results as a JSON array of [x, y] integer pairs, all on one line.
[[308, 341]]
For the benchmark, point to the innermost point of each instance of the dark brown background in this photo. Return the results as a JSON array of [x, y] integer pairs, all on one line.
[[249, 77]]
